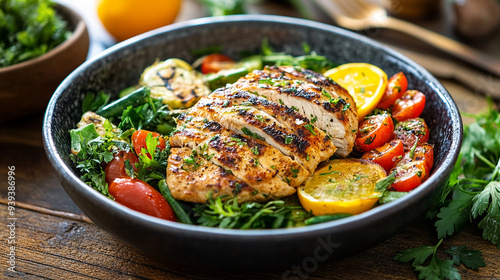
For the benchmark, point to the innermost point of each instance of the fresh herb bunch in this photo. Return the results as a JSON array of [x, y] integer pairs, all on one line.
[[91, 150], [471, 195], [29, 28], [248, 215], [473, 191]]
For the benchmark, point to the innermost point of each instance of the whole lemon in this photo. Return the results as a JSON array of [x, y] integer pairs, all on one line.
[[127, 18]]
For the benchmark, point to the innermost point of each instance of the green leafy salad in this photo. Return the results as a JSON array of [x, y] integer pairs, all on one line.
[[109, 131], [29, 28]]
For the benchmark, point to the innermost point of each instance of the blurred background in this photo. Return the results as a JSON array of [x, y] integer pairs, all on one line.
[[474, 24]]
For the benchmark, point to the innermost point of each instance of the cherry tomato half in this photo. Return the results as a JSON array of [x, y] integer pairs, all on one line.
[[215, 62], [142, 197], [409, 106], [374, 131], [409, 175], [139, 141], [410, 131], [423, 152], [116, 167], [396, 86], [386, 155]]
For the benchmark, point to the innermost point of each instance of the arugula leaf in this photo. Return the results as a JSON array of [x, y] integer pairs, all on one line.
[[470, 258]]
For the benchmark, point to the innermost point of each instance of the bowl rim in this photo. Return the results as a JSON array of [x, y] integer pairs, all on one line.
[[379, 212], [78, 31]]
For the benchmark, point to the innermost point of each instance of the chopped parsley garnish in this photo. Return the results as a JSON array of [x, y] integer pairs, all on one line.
[[310, 127], [259, 118], [370, 140], [256, 161], [247, 131], [255, 150], [295, 108], [288, 139]]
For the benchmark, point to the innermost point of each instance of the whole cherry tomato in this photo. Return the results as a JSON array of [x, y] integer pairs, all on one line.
[[215, 62], [396, 86], [386, 155], [374, 131], [409, 106], [139, 141], [116, 167], [142, 197]]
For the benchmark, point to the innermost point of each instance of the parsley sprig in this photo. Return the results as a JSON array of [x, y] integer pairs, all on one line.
[[438, 268]]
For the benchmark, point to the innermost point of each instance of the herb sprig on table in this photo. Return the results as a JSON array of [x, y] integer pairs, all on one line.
[[472, 195]]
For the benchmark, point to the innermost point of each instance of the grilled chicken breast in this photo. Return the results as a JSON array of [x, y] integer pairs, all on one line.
[[261, 137], [215, 141], [250, 121], [328, 105]]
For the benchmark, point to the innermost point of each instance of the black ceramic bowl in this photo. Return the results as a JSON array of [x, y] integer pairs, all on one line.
[[121, 66]]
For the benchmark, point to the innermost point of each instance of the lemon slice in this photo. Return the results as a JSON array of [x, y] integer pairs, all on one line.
[[365, 82], [342, 186]]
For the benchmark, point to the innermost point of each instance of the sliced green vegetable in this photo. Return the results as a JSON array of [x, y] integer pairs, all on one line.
[[180, 213], [325, 218], [117, 107]]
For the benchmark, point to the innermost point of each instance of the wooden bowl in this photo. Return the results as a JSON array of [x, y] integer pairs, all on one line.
[[26, 87]]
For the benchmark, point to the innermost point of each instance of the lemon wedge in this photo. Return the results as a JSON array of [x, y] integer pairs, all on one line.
[[365, 82], [342, 186]]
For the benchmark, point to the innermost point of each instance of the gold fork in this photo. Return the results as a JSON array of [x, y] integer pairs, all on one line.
[[361, 15]]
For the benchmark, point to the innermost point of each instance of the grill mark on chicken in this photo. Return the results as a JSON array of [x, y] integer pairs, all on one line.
[[241, 119], [228, 143], [205, 181], [285, 115], [310, 93]]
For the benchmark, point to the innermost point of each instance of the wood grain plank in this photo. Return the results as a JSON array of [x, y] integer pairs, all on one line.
[[36, 182], [51, 247]]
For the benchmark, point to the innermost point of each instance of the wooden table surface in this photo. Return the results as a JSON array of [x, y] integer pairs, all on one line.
[[55, 240]]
